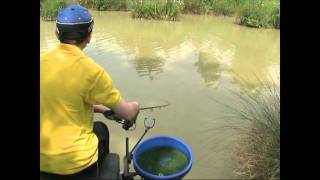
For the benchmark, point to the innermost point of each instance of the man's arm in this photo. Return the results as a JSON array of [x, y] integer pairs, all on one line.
[[127, 110], [99, 108], [124, 110]]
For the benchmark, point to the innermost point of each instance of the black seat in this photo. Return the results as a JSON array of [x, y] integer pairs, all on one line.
[[110, 169]]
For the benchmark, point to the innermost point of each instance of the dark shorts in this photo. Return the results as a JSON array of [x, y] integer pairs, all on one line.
[[102, 132]]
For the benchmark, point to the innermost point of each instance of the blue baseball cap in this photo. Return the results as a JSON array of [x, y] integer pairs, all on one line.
[[74, 14], [74, 23]]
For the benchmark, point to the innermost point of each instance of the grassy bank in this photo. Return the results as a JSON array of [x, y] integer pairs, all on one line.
[[259, 13], [252, 13], [103, 5], [49, 8], [259, 144], [155, 9], [216, 7]]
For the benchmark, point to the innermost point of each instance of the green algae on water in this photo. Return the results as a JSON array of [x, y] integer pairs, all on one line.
[[162, 161]]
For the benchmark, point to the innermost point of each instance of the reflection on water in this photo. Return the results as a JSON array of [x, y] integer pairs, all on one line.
[[148, 66], [188, 63], [209, 68]]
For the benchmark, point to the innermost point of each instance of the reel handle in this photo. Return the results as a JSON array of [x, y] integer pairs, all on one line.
[[110, 114]]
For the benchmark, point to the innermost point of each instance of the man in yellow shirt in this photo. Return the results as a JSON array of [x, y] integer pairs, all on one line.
[[72, 88]]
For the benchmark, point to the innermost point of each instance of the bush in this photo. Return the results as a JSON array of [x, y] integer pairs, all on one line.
[[260, 13], [222, 7], [120, 5], [218, 7], [155, 9], [50, 9], [195, 7], [102, 5], [257, 119]]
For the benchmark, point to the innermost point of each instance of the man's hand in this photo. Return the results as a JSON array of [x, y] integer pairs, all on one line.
[[123, 110], [109, 114]]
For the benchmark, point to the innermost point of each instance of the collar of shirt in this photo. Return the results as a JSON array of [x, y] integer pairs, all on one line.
[[70, 49]]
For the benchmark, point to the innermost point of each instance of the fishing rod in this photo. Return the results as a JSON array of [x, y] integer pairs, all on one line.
[[126, 124], [153, 107]]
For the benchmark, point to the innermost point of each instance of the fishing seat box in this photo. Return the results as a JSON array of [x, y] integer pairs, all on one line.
[[110, 169]]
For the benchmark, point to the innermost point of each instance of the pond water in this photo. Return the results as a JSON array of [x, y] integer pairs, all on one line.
[[187, 63]]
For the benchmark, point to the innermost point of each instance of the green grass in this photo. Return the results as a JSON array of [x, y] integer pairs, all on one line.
[[49, 9], [222, 7], [103, 5], [259, 145], [217, 7], [155, 9], [259, 13], [195, 7]]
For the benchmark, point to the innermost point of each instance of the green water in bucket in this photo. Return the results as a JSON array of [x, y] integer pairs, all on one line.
[[162, 161]]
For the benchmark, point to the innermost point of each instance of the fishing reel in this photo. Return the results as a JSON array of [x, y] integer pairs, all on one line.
[[126, 124]]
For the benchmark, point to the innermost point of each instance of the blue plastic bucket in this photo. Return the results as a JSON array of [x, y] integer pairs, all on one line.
[[163, 141]]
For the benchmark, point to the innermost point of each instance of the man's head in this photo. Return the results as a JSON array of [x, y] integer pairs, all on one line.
[[74, 25]]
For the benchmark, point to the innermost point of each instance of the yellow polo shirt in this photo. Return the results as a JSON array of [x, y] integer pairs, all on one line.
[[70, 83]]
